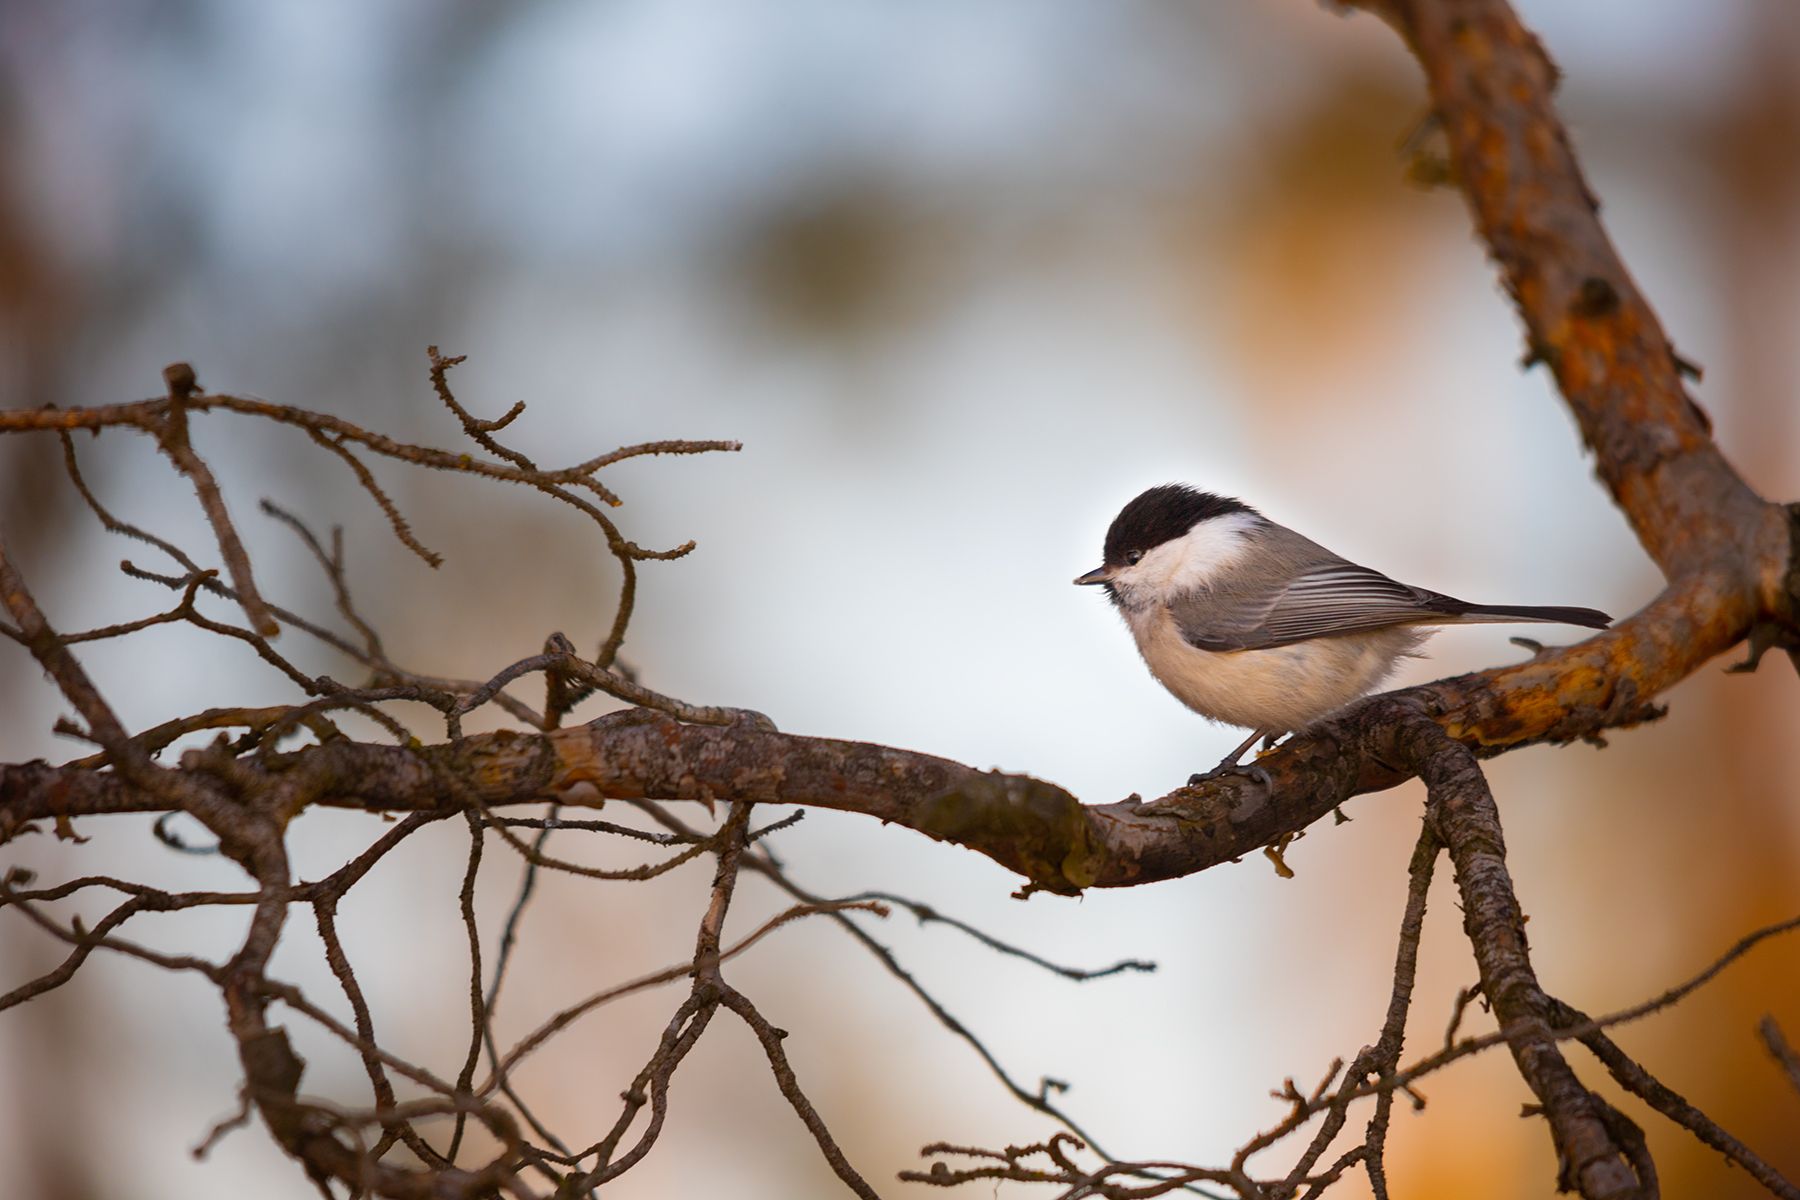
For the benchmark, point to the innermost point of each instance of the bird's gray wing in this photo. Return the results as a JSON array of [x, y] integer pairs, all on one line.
[[1327, 599]]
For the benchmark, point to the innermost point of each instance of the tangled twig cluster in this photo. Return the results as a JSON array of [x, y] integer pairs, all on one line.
[[264, 768]]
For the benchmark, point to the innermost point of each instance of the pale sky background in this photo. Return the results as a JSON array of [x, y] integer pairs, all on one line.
[[963, 276]]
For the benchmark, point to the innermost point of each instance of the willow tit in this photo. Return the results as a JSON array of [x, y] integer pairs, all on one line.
[[1253, 625]]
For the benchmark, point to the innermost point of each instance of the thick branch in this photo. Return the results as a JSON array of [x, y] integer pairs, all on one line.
[[1468, 823], [1026, 824], [1491, 86]]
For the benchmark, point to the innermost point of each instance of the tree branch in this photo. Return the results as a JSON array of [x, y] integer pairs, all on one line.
[[1491, 85], [1467, 822], [1032, 827]]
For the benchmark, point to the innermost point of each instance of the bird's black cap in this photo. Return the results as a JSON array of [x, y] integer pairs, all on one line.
[[1163, 514]]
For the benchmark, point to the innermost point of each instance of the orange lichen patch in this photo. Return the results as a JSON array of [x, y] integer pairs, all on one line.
[[570, 774]]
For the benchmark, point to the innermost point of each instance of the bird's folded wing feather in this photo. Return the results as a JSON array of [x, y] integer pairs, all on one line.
[[1325, 600]]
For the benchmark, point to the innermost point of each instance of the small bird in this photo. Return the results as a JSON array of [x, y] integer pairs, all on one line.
[[1251, 624]]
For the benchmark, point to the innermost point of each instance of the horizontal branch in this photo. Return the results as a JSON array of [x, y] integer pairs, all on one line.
[[1032, 827], [152, 415]]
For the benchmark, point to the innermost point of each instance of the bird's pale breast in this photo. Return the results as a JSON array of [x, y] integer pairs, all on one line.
[[1280, 688]]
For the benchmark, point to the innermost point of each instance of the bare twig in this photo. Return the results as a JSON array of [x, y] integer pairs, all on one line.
[[1780, 1050], [1665, 1100], [172, 436]]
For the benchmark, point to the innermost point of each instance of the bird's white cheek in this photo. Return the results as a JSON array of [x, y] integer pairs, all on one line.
[[1214, 548], [1195, 560]]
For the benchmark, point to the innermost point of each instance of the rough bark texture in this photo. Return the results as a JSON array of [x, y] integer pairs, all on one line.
[[1026, 824], [1468, 823]]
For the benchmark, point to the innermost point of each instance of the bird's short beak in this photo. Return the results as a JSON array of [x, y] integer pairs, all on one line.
[[1097, 575]]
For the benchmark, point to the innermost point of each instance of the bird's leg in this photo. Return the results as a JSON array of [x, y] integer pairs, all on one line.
[[1231, 760], [1229, 764]]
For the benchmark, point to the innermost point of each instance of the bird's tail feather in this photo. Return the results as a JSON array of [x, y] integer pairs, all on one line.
[[1589, 618]]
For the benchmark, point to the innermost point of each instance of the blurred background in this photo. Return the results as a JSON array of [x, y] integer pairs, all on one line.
[[963, 276]]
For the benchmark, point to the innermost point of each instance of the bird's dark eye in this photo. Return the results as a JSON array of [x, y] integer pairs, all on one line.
[[1132, 557]]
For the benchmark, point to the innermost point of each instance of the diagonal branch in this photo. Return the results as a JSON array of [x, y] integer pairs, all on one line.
[[1583, 1126], [1665, 1100], [172, 436], [1491, 85]]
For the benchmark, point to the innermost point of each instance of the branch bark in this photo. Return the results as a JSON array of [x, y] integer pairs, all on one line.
[[1491, 86], [1462, 809], [1032, 827]]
